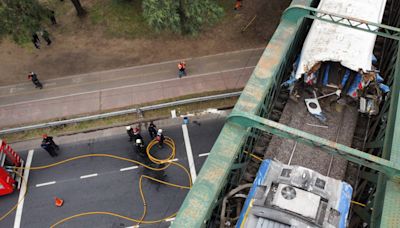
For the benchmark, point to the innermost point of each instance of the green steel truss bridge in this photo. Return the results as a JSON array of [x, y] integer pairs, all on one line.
[[378, 186]]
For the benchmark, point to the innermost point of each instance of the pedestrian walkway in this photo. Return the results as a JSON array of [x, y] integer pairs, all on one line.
[[124, 87]]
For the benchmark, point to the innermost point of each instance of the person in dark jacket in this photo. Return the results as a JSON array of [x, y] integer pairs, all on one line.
[[152, 130], [35, 40], [136, 134], [33, 77], [140, 147], [129, 131], [49, 145]]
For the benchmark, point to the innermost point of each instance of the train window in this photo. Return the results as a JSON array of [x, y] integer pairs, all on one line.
[[286, 173], [320, 183]]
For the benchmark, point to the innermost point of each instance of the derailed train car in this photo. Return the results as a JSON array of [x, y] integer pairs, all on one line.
[[294, 196], [336, 65], [338, 61]]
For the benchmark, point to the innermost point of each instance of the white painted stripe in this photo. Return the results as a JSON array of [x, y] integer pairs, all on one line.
[[189, 152], [173, 160], [203, 155], [129, 168], [170, 219], [128, 86], [21, 198], [137, 226], [90, 175], [44, 184]]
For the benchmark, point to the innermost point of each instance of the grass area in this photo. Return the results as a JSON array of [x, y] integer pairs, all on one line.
[[121, 18], [125, 119]]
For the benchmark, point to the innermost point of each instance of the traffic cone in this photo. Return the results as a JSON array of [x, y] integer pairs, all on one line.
[[59, 202]]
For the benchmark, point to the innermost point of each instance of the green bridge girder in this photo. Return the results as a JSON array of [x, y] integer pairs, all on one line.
[[200, 201]]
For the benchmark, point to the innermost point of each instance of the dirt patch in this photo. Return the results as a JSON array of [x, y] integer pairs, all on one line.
[[81, 46]]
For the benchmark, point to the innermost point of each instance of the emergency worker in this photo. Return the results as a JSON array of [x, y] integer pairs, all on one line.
[[152, 130], [140, 147], [49, 145], [129, 131], [136, 134], [160, 138]]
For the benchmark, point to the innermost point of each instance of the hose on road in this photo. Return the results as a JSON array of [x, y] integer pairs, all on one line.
[[166, 162]]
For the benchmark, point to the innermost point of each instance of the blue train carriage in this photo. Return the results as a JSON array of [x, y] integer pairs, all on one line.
[[294, 196]]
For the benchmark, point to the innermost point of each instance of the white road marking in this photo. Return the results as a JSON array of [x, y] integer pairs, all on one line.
[[44, 184], [21, 198], [203, 155], [127, 86], [189, 152], [129, 168], [137, 226], [90, 175], [170, 219], [173, 160]]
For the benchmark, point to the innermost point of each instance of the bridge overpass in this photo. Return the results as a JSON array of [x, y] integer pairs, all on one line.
[[377, 160]]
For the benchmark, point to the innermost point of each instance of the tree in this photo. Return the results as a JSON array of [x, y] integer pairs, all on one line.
[[79, 9], [184, 16], [21, 18]]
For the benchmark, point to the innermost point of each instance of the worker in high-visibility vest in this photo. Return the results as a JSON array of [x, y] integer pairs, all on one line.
[[238, 4], [181, 69]]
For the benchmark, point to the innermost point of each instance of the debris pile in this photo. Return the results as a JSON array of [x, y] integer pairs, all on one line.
[[341, 85]]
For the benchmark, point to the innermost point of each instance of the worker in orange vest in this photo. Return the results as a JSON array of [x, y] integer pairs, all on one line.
[[181, 69], [238, 4]]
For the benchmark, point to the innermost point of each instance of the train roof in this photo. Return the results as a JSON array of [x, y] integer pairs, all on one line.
[[331, 42]]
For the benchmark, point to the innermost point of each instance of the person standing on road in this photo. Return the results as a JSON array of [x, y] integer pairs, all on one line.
[[33, 77], [160, 138], [181, 69], [129, 131], [136, 134], [49, 145], [152, 130], [140, 147]]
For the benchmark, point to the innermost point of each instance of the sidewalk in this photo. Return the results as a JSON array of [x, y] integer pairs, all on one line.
[[100, 91]]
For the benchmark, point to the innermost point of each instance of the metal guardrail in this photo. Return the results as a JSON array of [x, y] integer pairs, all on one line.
[[122, 112]]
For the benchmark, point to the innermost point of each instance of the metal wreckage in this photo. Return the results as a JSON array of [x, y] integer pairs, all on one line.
[[336, 86]]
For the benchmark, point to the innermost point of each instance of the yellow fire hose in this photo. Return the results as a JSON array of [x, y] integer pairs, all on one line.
[[167, 161]]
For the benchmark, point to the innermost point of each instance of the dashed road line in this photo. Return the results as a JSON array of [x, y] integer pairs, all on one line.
[[21, 198], [90, 175], [189, 152], [129, 168], [174, 160], [203, 155], [44, 184]]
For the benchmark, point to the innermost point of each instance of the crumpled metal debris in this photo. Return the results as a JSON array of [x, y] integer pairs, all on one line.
[[365, 87]]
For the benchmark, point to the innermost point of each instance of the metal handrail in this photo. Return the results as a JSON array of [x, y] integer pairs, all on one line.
[[122, 112]]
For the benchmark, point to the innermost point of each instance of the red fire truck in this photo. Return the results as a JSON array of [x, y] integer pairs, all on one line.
[[10, 169]]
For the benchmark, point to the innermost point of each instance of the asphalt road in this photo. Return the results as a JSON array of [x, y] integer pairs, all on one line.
[[108, 186], [125, 87]]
